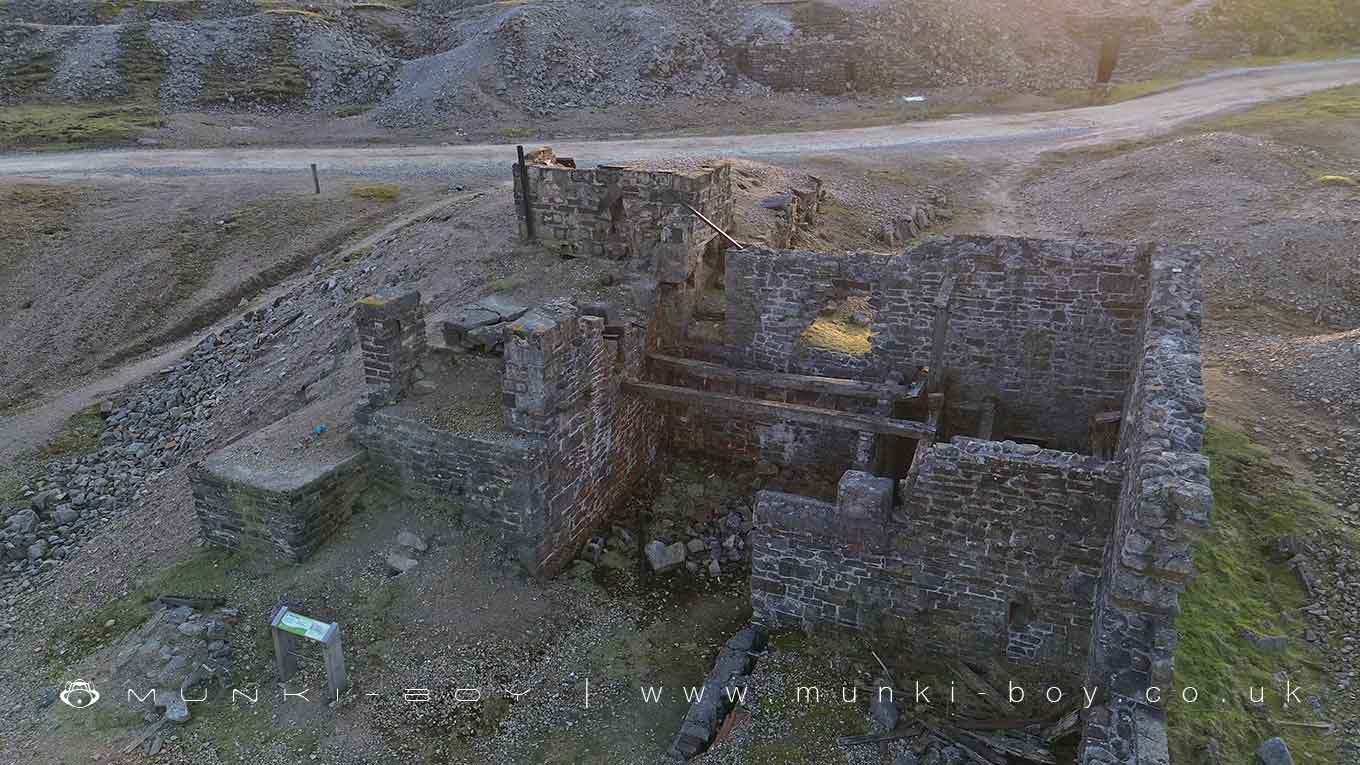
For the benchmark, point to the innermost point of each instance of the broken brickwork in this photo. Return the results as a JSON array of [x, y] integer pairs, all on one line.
[[564, 373]]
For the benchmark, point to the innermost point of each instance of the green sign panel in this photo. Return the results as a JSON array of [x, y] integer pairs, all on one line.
[[304, 626]]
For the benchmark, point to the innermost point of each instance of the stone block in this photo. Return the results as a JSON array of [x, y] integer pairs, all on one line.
[[864, 496]]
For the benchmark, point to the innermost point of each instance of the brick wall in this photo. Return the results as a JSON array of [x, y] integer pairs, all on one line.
[[391, 328], [987, 528], [1164, 505]]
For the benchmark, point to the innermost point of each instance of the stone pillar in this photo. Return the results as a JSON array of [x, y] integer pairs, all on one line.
[[391, 326]]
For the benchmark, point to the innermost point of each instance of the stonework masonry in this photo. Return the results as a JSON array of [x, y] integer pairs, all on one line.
[[1044, 328], [996, 553], [625, 213], [392, 334], [1164, 505], [572, 448], [1067, 565], [279, 511]]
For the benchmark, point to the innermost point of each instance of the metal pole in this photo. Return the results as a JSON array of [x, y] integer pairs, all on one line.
[[316, 180], [524, 190]]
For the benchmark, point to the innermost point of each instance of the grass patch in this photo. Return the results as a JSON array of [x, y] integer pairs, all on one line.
[[142, 65], [203, 574], [1240, 588], [72, 126], [1274, 27], [353, 110], [838, 333], [1314, 110], [295, 12], [378, 192], [80, 434], [281, 81], [1339, 180]]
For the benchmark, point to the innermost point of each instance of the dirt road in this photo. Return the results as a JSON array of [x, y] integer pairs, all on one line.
[[988, 134]]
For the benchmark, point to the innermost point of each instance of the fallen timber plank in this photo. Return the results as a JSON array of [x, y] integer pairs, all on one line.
[[830, 418], [808, 383]]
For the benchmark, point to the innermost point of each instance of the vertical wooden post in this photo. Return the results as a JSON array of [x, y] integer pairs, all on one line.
[[524, 190], [316, 179]]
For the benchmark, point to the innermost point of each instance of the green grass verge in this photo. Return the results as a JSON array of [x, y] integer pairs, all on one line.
[[78, 435], [1314, 110], [1240, 588], [72, 126], [281, 81]]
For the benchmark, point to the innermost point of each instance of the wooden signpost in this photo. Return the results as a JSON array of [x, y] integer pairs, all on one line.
[[289, 627]]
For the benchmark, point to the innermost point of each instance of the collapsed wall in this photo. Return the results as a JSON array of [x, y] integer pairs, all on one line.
[[649, 217]]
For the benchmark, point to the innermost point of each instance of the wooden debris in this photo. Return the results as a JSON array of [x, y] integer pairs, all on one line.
[[196, 603], [1327, 727], [1015, 744], [901, 731], [1064, 727], [983, 689]]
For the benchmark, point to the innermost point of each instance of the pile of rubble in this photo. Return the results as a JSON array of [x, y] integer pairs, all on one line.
[[156, 425]]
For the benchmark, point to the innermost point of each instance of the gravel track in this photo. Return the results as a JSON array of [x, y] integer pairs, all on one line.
[[978, 136]]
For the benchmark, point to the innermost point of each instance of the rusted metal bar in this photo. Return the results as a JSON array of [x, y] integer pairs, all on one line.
[[714, 226]]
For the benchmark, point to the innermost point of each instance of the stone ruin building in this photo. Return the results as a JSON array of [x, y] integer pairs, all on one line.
[[1014, 454]]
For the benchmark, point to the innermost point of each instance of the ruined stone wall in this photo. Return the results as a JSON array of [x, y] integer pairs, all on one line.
[[621, 212], [593, 443], [637, 215], [995, 553], [491, 478], [1164, 505], [274, 515], [1047, 327]]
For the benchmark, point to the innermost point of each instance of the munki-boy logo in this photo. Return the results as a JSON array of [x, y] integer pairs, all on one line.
[[79, 694]]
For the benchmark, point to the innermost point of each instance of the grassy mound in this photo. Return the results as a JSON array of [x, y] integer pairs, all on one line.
[[378, 192]]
